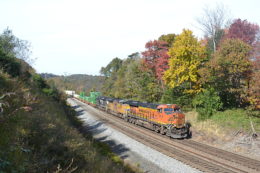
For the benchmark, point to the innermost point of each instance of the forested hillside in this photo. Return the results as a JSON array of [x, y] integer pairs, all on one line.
[[76, 82], [218, 72]]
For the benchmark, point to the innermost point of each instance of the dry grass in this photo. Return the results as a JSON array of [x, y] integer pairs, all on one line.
[[45, 137], [207, 127], [223, 125]]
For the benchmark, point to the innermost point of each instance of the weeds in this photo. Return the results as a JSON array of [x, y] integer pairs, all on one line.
[[225, 122], [38, 134], [236, 119]]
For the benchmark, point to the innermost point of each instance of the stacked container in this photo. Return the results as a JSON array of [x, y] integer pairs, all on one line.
[[93, 97], [82, 95]]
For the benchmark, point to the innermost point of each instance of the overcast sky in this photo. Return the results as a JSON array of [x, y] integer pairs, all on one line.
[[81, 36]]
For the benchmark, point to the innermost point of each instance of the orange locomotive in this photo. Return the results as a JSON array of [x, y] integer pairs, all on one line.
[[163, 118]]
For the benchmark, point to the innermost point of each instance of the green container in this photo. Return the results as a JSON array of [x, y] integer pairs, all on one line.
[[91, 98], [93, 101], [95, 94], [82, 95], [85, 98]]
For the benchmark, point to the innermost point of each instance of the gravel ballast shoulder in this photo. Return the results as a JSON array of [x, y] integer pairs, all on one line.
[[130, 150]]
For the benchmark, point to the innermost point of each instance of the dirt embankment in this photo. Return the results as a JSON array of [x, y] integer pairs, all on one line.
[[233, 140]]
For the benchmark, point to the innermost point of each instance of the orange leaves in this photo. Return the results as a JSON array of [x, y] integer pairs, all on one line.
[[156, 57]]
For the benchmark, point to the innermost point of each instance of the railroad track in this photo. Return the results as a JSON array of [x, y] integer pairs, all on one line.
[[197, 155], [245, 161]]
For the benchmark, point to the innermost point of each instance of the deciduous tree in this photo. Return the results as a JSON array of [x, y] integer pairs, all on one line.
[[231, 69], [213, 22], [156, 57], [254, 84], [13, 46], [112, 67], [186, 56], [243, 30], [169, 38]]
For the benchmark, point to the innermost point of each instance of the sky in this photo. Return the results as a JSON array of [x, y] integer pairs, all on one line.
[[81, 36]]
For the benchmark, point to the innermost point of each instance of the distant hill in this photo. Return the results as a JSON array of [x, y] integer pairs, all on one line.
[[77, 82], [48, 75]]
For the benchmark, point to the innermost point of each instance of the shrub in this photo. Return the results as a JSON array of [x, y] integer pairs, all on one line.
[[48, 91], [40, 82], [207, 103], [52, 92], [9, 65]]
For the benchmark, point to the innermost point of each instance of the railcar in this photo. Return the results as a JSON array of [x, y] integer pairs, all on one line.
[[163, 118], [102, 102], [115, 106], [166, 119]]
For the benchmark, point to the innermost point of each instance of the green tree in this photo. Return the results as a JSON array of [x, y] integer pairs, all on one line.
[[176, 96], [9, 64], [119, 89], [15, 47], [111, 74], [186, 56], [230, 70], [169, 38], [132, 81], [207, 103], [112, 67], [141, 84], [114, 72]]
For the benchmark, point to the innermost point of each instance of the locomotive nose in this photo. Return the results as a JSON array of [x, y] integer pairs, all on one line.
[[180, 119]]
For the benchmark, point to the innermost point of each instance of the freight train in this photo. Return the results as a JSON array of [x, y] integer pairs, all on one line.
[[166, 119]]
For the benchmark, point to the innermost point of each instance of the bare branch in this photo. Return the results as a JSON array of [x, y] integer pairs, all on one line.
[[213, 20]]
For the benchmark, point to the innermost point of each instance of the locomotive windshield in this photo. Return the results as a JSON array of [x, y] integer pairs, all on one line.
[[169, 111]]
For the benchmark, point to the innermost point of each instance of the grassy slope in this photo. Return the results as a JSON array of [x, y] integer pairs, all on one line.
[[225, 123], [42, 136]]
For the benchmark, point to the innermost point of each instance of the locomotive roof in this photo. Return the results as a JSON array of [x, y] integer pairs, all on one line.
[[142, 104], [104, 98], [136, 103], [149, 105], [132, 103]]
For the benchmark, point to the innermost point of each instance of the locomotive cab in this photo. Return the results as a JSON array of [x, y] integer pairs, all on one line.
[[174, 119], [171, 114]]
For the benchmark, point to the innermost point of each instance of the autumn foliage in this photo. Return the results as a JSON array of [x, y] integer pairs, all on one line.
[[156, 57], [243, 30], [231, 69], [186, 56], [254, 89], [184, 70]]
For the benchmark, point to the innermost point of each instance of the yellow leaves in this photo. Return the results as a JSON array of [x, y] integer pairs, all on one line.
[[185, 58]]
